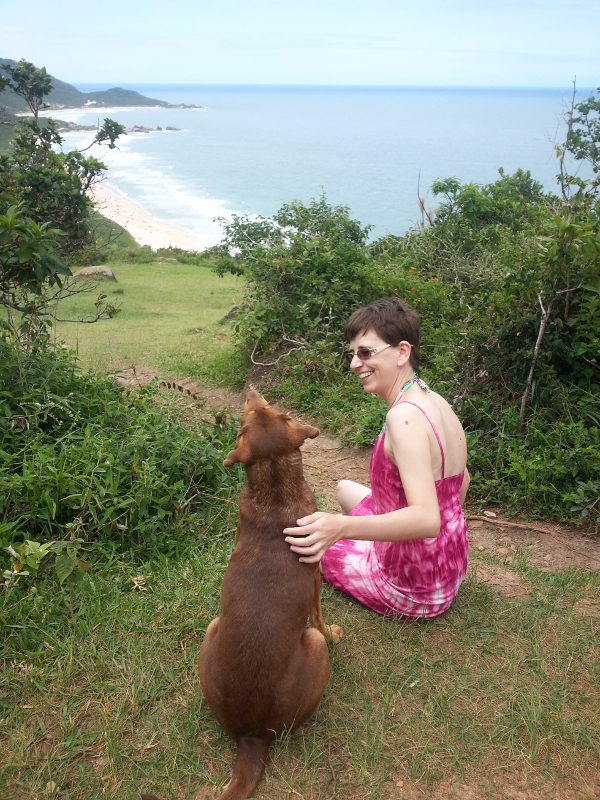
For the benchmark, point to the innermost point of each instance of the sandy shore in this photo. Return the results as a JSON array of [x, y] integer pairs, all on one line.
[[144, 228]]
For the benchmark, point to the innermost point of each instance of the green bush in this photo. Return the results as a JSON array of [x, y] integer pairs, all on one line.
[[552, 470], [77, 450], [304, 270], [494, 260]]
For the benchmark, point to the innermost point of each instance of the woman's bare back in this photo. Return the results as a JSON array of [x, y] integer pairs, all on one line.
[[448, 427]]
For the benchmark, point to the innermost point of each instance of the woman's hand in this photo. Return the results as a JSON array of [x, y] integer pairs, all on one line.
[[315, 534]]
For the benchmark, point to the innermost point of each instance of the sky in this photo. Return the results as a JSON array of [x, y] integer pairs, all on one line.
[[541, 43]]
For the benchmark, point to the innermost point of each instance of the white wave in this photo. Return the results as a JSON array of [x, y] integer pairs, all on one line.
[[75, 114], [143, 180]]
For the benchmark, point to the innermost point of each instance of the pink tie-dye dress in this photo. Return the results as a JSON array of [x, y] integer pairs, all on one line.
[[416, 578]]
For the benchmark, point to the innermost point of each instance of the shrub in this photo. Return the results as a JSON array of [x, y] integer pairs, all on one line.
[[80, 452], [304, 270]]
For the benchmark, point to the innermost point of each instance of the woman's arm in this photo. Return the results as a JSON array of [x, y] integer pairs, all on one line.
[[409, 441]]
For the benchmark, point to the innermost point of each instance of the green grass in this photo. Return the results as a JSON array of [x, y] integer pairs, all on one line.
[[493, 694], [169, 316]]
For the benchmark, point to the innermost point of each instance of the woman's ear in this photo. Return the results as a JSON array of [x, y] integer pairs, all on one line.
[[404, 349]]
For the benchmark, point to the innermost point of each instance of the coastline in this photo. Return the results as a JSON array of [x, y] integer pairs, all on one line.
[[145, 229]]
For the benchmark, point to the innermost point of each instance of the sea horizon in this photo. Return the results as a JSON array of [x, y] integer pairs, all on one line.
[[99, 86]]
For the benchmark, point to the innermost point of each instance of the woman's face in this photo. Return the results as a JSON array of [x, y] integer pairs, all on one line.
[[379, 372]]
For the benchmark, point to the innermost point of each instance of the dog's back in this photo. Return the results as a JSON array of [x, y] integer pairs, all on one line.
[[266, 597], [262, 671]]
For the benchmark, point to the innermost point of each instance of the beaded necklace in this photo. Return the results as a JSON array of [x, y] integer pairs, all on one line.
[[415, 379]]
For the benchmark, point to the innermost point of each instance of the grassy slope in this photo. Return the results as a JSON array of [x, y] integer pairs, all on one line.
[[117, 240], [169, 315], [497, 695], [7, 125], [6, 136]]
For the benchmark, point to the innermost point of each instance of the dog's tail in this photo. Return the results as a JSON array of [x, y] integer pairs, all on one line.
[[248, 769]]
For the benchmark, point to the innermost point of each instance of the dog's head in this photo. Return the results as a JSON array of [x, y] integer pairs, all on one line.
[[266, 432]]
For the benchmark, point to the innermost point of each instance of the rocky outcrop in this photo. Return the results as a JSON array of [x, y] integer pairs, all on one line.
[[95, 273], [72, 126], [144, 129]]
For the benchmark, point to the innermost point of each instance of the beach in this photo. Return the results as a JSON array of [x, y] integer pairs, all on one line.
[[145, 229]]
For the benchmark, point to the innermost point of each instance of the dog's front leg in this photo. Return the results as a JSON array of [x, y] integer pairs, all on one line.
[[332, 632]]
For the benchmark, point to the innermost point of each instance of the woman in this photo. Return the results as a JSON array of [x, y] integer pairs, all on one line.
[[400, 548]]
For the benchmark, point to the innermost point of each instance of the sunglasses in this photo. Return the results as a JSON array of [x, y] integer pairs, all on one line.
[[364, 353]]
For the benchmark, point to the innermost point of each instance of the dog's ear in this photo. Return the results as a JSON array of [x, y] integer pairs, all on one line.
[[234, 457], [239, 454], [309, 432]]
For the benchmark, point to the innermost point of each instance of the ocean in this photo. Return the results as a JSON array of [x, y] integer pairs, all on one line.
[[251, 149]]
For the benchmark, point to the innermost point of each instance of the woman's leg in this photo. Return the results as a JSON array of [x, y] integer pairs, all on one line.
[[349, 494]]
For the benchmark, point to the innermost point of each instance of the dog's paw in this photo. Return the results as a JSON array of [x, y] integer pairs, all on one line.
[[335, 632]]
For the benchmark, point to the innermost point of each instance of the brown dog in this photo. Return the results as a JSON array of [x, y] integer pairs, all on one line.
[[262, 670]]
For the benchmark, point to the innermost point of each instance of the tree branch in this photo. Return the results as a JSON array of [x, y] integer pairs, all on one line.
[[536, 350], [564, 148], [301, 346]]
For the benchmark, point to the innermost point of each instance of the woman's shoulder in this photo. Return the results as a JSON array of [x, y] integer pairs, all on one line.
[[442, 405], [413, 411], [429, 407]]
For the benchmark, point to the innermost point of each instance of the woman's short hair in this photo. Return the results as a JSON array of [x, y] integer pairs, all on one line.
[[393, 320]]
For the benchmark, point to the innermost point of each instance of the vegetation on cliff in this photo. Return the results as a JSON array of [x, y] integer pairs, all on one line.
[[45, 210], [64, 95], [81, 459]]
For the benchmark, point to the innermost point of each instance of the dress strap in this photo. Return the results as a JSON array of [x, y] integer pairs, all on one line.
[[432, 427]]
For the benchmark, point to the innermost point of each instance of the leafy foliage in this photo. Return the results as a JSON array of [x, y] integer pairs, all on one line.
[[304, 270], [45, 212], [52, 184], [510, 202], [82, 460], [583, 143], [28, 82], [28, 256]]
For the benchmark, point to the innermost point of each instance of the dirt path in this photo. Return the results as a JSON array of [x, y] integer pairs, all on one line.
[[326, 461]]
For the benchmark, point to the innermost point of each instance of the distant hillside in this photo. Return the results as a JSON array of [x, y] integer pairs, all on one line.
[[63, 95]]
